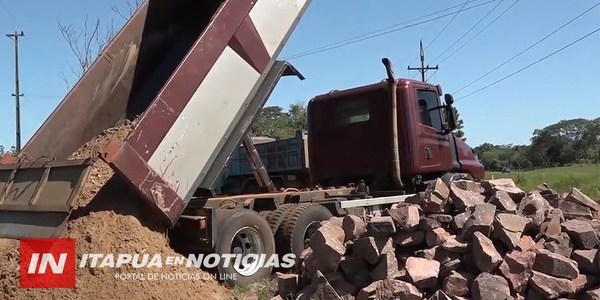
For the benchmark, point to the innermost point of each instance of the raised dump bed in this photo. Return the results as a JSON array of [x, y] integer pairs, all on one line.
[[199, 117], [127, 75]]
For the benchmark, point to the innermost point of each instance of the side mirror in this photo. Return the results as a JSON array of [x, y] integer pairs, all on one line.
[[449, 99], [449, 112], [451, 118]]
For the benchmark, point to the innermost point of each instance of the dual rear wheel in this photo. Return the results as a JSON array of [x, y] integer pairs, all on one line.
[[293, 236], [248, 233]]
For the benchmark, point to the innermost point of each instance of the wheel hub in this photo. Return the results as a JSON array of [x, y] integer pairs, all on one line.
[[310, 230], [247, 243]]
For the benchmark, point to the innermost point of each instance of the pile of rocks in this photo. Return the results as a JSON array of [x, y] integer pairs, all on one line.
[[468, 240]]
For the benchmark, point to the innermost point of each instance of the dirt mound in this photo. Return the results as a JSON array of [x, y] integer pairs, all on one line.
[[107, 232], [110, 219], [6, 243], [101, 172]]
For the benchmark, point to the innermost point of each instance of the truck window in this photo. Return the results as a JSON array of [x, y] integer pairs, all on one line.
[[428, 100], [350, 112], [425, 116]]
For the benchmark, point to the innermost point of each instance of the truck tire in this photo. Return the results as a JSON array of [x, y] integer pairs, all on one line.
[[277, 216], [243, 231], [295, 231]]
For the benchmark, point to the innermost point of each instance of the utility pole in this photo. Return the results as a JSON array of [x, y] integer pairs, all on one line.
[[423, 68], [17, 94]]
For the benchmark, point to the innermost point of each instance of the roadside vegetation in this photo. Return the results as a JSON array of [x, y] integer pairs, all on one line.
[[563, 155], [584, 177], [566, 143], [260, 290]]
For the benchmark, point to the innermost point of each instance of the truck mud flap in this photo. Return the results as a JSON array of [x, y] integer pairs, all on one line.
[[36, 197]]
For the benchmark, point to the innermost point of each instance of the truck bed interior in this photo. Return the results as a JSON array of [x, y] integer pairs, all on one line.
[[129, 73], [169, 32]]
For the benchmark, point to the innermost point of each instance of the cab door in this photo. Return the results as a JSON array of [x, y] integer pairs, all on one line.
[[433, 146]]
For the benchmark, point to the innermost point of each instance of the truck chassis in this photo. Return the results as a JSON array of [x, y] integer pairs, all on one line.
[[280, 222]]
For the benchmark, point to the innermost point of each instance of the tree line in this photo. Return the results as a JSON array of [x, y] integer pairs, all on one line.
[[574, 141], [11, 151], [567, 142], [274, 122]]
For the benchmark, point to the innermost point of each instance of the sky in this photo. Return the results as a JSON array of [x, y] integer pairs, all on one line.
[[562, 86]]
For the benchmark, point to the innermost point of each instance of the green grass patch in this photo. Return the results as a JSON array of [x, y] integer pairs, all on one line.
[[584, 177], [259, 288]]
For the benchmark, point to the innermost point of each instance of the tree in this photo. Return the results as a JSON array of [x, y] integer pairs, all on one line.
[[12, 151], [485, 147], [498, 157], [565, 142], [298, 118], [458, 132], [87, 41], [274, 122], [132, 6], [591, 140], [562, 143]]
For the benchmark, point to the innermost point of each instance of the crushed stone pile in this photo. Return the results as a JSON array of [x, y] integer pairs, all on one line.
[[468, 240], [108, 219]]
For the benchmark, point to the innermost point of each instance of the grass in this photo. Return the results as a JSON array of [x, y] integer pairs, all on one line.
[[586, 178], [259, 288]]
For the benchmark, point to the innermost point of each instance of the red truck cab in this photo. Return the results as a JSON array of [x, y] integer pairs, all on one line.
[[351, 137]]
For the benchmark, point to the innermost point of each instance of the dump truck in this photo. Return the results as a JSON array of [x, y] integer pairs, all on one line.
[[286, 162], [237, 166], [196, 73]]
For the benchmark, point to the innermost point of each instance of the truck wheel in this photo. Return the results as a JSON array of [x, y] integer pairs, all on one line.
[[243, 231], [275, 217], [301, 222]]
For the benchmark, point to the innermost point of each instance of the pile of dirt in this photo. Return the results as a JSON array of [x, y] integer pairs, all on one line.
[[109, 219], [101, 172], [108, 232]]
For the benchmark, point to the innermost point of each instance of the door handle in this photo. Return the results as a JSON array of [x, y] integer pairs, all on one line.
[[427, 153]]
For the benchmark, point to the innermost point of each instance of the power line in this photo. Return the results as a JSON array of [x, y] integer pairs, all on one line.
[[532, 64], [534, 44], [435, 71], [447, 24], [443, 29], [470, 29], [478, 33], [376, 33], [431, 75], [8, 13]]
